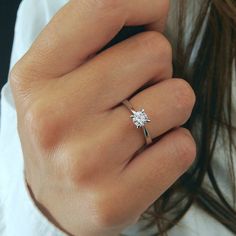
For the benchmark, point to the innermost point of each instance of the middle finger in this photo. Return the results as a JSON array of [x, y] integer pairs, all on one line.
[[119, 71]]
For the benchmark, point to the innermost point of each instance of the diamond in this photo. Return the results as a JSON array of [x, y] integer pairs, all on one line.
[[139, 118]]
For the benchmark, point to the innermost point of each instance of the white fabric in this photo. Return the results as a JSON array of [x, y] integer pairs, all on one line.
[[18, 214]]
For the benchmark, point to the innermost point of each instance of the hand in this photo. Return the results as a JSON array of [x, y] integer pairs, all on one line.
[[77, 139]]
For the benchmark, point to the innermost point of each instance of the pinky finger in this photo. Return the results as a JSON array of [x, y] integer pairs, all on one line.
[[154, 170]]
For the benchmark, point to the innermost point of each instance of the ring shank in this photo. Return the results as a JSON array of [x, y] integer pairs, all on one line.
[[147, 135]]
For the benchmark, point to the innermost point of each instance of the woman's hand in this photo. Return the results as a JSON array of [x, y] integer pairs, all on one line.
[[78, 140]]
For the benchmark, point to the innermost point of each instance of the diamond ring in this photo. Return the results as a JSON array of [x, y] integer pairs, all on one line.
[[139, 119]]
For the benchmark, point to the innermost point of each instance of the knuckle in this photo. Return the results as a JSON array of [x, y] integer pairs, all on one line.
[[184, 96], [185, 148], [156, 46], [42, 126]]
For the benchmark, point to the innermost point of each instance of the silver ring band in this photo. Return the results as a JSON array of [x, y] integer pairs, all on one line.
[[139, 119]]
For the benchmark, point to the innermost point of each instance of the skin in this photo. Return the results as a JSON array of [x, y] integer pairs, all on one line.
[[79, 144]]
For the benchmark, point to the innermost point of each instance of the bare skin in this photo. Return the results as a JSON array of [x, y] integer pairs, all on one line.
[[78, 140]]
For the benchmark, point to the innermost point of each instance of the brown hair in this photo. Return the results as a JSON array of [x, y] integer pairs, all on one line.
[[211, 76]]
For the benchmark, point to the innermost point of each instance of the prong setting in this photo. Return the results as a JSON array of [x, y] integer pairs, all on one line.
[[139, 118]]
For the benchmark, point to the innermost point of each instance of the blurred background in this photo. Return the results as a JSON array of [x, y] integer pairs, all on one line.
[[8, 9]]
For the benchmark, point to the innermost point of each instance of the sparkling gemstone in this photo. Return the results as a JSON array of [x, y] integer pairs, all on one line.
[[140, 118]]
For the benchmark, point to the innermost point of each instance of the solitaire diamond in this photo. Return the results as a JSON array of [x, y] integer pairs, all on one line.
[[139, 118]]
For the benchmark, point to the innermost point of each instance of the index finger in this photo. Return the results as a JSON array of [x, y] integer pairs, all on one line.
[[82, 27]]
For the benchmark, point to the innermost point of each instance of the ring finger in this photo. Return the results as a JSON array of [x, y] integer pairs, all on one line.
[[168, 104]]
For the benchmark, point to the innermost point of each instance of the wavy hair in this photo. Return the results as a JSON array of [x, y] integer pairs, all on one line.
[[212, 42], [211, 76]]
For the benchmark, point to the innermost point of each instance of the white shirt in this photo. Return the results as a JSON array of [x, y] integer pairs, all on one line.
[[18, 214]]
